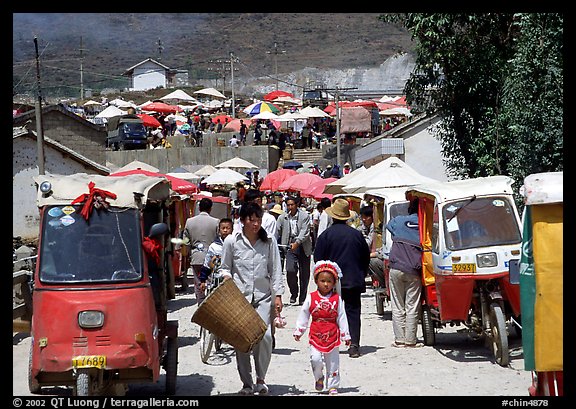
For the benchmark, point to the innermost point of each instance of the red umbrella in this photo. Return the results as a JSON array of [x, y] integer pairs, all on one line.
[[316, 190], [275, 94], [233, 125], [299, 182], [273, 179], [149, 120], [161, 107], [223, 119], [178, 185]]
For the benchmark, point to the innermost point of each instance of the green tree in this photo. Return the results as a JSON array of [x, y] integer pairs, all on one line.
[[489, 77]]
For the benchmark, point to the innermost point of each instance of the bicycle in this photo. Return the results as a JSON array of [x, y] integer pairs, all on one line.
[[207, 338]]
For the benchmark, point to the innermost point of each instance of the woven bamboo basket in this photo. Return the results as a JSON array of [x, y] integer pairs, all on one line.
[[226, 313]]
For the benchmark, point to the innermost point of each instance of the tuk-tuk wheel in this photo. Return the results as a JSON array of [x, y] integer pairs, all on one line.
[[33, 385], [428, 326], [171, 366], [499, 336]]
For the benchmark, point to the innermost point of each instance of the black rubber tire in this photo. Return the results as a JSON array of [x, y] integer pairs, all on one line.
[[33, 385], [428, 327], [171, 365], [83, 383], [499, 336]]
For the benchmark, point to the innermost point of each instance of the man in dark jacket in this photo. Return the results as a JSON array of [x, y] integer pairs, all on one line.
[[405, 276], [346, 246]]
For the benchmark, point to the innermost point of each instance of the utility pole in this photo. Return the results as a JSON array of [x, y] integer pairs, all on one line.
[[276, 52], [81, 71], [337, 91], [39, 130], [232, 83], [160, 49]]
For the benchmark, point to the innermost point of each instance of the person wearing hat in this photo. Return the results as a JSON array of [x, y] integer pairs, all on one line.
[[346, 246], [329, 325], [346, 169], [327, 172]]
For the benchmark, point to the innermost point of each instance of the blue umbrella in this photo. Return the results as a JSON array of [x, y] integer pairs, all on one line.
[[293, 164]]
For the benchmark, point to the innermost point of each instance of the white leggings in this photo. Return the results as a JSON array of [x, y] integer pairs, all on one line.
[[332, 361]]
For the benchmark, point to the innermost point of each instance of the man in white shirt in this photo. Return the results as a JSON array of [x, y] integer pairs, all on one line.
[[233, 142]]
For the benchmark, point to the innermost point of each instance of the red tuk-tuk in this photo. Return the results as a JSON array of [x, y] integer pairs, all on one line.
[[470, 235], [100, 285]]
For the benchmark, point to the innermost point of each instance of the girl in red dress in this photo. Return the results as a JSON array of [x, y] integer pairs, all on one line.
[[328, 328]]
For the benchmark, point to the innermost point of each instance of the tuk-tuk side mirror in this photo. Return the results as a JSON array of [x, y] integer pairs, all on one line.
[[158, 229]]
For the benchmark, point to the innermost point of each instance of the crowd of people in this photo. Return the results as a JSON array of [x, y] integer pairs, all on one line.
[[271, 240]]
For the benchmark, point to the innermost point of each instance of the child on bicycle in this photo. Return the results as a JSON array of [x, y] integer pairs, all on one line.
[[214, 252], [328, 328]]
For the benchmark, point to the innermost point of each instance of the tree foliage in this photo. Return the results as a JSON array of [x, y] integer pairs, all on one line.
[[496, 80]]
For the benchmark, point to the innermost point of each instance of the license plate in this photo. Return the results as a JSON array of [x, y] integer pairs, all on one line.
[[464, 268], [89, 361]]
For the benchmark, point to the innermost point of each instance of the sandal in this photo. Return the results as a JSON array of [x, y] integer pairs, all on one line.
[[333, 391], [416, 345], [398, 344]]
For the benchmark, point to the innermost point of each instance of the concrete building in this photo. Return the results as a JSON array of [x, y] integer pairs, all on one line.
[[70, 130], [413, 142], [150, 74], [58, 159]]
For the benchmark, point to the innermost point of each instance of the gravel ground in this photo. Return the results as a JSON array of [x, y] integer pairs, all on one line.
[[455, 366]]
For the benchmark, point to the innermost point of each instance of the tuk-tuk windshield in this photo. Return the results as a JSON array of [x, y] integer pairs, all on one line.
[[106, 248], [480, 222]]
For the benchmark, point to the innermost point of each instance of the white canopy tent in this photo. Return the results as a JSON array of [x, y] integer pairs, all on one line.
[[224, 176], [391, 172], [236, 163], [210, 91], [314, 112], [179, 95]]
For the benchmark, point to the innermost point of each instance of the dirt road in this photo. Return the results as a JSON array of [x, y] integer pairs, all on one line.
[[455, 366]]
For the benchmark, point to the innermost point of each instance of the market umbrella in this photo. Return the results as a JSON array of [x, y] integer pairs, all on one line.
[[110, 111], [266, 115], [293, 164], [273, 179], [161, 107], [224, 176], [238, 163], [210, 91], [233, 125], [316, 190], [299, 182], [136, 164], [205, 170], [176, 184], [275, 94], [149, 120], [223, 119], [178, 95], [287, 100], [314, 112], [260, 107]]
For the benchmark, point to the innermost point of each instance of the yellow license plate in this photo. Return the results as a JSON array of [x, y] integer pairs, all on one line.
[[89, 361], [464, 268]]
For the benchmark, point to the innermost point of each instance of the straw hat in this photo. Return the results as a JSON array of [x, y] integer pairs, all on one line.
[[276, 209], [340, 210]]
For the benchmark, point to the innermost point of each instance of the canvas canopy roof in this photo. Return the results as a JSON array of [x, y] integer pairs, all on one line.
[[66, 188], [541, 188], [465, 188], [179, 95], [110, 111]]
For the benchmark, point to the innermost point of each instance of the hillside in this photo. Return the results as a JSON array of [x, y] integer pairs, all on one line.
[[197, 42]]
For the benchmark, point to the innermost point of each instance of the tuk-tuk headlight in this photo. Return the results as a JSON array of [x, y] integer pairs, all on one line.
[[91, 319], [487, 260]]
